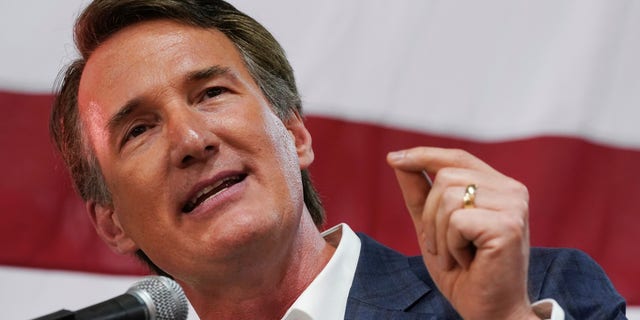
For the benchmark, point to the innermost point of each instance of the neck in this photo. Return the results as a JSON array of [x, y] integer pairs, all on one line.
[[266, 287]]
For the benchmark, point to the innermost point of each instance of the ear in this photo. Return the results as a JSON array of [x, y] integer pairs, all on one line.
[[301, 138], [108, 227]]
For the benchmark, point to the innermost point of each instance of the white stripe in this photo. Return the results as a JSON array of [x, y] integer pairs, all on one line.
[[36, 42], [485, 71], [29, 293]]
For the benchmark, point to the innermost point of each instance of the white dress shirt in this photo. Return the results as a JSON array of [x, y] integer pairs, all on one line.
[[326, 296]]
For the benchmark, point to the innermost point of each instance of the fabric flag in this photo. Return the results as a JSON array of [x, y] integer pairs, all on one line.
[[547, 92]]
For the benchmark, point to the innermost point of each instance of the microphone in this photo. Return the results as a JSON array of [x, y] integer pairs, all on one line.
[[152, 298]]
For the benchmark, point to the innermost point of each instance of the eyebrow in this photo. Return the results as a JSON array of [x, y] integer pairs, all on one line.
[[209, 73], [119, 118]]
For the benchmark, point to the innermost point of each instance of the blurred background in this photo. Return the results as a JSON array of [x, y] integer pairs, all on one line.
[[547, 92]]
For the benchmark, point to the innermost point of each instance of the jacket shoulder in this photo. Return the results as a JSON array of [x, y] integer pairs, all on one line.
[[576, 282]]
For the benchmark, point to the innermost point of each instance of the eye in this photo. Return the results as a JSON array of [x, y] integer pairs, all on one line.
[[136, 131], [214, 92]]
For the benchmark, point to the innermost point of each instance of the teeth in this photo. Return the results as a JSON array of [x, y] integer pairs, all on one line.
[[225, 183], [206, 190]]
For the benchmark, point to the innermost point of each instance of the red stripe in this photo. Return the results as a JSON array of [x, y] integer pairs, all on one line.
[[43, 221], [579, 193]]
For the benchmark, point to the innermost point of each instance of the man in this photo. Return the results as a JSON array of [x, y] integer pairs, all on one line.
[[182, 128]]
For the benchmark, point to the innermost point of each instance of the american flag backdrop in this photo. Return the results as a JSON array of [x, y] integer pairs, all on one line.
[[547, 92]]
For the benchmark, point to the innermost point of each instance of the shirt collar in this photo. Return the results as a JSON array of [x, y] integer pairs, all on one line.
[[326, 296]]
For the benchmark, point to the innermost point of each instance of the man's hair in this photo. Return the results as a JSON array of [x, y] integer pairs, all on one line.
[[262, 55]]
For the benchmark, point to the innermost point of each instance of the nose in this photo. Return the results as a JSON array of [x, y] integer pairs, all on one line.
[[191, 141]]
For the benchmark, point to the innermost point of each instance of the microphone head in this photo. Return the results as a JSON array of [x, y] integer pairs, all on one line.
[[163, 296]]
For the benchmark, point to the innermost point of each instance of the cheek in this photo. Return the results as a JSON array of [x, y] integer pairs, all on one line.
[[136, 182], [284, 151], [137, 191], [261, 132]]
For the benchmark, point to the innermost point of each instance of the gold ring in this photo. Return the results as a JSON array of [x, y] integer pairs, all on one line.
[[468, 201]]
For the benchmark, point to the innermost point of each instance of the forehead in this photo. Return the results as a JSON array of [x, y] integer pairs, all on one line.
[[162, 49]]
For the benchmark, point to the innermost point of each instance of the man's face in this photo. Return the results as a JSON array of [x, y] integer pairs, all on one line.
[[202, 173]]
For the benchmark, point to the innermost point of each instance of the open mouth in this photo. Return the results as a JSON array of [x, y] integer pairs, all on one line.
[[211, 191]]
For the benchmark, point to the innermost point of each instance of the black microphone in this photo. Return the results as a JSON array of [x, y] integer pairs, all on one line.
[[152, 298]]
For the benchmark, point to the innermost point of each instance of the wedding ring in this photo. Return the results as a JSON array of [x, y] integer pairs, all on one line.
[[468, 201]]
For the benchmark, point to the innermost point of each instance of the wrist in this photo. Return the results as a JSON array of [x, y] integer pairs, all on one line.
[[526, 313]]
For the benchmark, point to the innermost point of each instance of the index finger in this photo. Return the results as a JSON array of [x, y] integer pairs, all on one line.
[[432, 159]]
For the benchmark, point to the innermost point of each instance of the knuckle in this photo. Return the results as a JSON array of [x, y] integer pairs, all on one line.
[[514, 227], [452, 199], [515, 224], [445, 176], [418, 152], [456, 218], [460, 157], [520, 209], [519, 189]]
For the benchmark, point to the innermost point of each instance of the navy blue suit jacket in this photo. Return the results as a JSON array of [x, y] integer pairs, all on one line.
[[389, 285]]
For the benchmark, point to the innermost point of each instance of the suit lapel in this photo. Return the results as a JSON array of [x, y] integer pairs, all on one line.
[[386, 284]]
